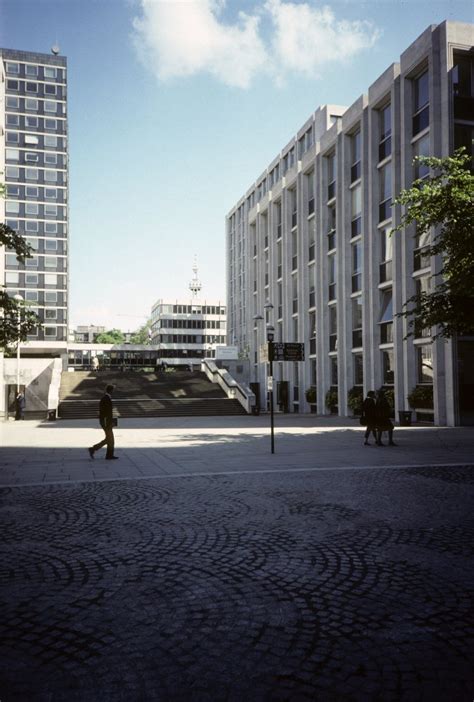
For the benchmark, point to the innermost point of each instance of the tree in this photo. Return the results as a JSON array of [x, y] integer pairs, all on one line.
[[443, 204], [113, 336], [142, 335], [17, 321]]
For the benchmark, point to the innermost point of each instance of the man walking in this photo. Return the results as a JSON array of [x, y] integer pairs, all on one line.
[[106, 422], [368, 411]]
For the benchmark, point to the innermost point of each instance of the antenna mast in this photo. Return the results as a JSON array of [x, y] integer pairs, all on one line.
[[195, 284]]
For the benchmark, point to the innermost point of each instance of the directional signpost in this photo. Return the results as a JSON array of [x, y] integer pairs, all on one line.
[[278, 351]]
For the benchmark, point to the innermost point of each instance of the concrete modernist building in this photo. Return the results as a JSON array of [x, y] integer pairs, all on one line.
[[34, 161], [312, 237], [187, 332]]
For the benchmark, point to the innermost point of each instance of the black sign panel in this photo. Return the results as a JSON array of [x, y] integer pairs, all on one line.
[[288, 351]]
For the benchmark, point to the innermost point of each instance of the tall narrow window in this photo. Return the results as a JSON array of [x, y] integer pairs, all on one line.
[[356, 207], [310, 187], [357, 322], [421, 110], [386, 318], [332, 175], [385, 194], [356, 267], [385, 132], [333, 328], [355, 156], [386, 247], [332, 277]]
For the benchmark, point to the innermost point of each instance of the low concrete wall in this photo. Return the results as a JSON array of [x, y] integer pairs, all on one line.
[[36, 375], [233, 389]]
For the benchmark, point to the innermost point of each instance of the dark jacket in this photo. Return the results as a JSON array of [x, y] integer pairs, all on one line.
[[368, 410], [105, 411], [382, 414]]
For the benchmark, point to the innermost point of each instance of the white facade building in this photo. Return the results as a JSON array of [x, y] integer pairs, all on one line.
[[187, 332], [312, 237]]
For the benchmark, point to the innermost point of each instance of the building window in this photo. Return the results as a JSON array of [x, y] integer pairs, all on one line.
[[278, 219], [331, 228], [332, 269], [31, 70], [31, 208], [423, 286], [12, 155], [293, 208], [31, 122], [12, 120], [310, 190], [31, 226], [49, 89], [358, 369], [13, 85], [12, 68], [357, 322], [12, 102], [333, 369], [356, 267], [387, 367], [311, 239], [356, 207], [51, 227], [333, 328], [12, 277], [421, 110], [31, 278], [31, 295], [386, 252], [332, 175], [31, 173], [31, 191], [50, 332], [385, 194], [50, 140], [50, 72], [12, 138], [294, 250], [51, 297], [421, 148], [12, 207], [12, 172], [50, 211], [31, 87], [386, 318], [31, 104], [50, 314], [50, 245], [385, 132], [31, 157], [424, 364], [50, 176], [355, 156], [50, 193]]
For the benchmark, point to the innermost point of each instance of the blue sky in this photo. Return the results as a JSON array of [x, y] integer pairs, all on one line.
[[176, 107]]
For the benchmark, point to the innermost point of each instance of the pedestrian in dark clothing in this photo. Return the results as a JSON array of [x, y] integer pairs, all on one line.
[[107, 423], [368, 412], [19, 406], [382, 419]]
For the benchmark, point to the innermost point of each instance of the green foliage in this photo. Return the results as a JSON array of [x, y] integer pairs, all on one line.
[[355, 398], [113, 336], [443, 204], [142, 335], [310, 395], [331, 398], [421, 397], [13, 311]]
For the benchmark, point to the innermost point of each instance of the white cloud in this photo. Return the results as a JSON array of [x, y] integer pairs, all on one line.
[[305, 37], [178, 38], [183, 37]]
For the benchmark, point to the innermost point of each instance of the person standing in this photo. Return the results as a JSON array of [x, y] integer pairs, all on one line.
[[19, 406], [382, 419], [107, 423], [368, 411]]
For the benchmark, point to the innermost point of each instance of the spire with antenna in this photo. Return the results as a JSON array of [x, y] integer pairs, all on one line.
[[195, 284]]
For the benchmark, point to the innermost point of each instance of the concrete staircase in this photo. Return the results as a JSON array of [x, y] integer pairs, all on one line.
[[143, 394]]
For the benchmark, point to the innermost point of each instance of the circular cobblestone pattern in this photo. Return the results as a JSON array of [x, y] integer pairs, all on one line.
[[334, 585]]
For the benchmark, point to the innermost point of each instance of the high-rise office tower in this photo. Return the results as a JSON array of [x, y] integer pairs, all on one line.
[[34, 164]]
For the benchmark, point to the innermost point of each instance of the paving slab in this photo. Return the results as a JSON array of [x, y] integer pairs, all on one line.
[[199, 567]]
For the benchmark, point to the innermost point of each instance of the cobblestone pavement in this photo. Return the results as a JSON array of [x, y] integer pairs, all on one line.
[[319, 585]]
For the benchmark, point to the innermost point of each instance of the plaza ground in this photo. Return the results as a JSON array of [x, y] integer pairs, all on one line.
[[202, 567]]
